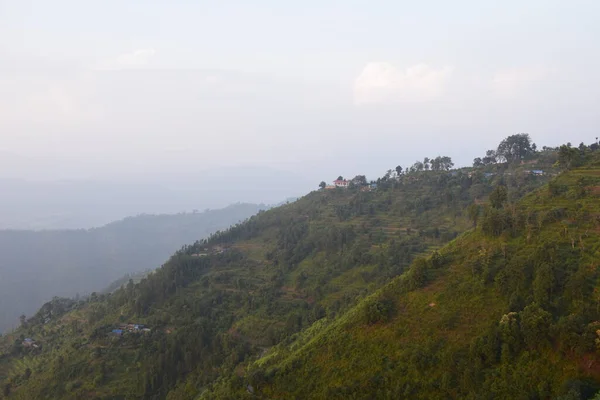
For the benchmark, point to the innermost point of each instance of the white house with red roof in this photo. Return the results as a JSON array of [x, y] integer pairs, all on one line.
[[341, 183]]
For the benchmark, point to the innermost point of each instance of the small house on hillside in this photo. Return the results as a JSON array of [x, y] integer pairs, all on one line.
[[129, 329], [134, 327], [537, 172], [341, 183], [28, 342]]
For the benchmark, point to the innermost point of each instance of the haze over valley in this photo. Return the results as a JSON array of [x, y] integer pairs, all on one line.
[[38, 265]]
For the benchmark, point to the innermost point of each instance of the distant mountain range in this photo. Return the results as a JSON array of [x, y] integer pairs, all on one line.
[[37, 265], [42, 194]]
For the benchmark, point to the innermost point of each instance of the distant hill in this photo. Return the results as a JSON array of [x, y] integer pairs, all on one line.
[[37, 265], [35, 204]]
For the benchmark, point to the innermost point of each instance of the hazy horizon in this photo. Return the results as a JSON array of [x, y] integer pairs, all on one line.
[[112, 90], [84, 204]]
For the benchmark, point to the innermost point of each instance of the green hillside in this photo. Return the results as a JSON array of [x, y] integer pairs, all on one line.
[[363, 292], [38, 265], [509, 310]]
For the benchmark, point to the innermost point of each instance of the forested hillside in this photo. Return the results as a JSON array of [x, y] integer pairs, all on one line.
[[37, 265], [428, 283], [509, 310]]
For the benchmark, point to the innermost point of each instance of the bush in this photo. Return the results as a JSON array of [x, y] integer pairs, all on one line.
[[378, 311]]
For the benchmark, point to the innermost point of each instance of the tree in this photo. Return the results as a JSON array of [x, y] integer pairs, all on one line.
[[399, 170], [543, 284], [568, 156], [340, 178], [441, 163], [377, 311], [359, 180], [477, 162], [498, 196], [446, 163], [426, 163], [490, 157], [322, 185], [473, 211], [515, 147], [23, 320], [535, 323], [418, 166]]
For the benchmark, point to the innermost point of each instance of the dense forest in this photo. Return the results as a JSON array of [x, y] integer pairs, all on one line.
[[429, 282], [37, 265]]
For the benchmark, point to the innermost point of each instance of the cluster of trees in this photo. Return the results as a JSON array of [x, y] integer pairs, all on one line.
[[439, 163], [516, 148], [570, 157], [512, 149]]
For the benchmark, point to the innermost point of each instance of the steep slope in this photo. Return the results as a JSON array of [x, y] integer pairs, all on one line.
[[293, 272], [509, 310], [37, 265]]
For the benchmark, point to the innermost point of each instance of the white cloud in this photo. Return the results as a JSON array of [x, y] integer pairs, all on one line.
[[137, 59], [381, 82]]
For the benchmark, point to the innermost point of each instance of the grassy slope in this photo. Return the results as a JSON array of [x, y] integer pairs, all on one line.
[[290, 275], [445, 339]]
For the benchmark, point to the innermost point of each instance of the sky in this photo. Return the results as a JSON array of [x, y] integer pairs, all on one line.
[[126, 89]]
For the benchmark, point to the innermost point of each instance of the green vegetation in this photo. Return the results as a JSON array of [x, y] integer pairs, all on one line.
[[472, 283], [37, 265]]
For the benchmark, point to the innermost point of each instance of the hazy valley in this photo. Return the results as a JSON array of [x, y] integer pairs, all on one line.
[[38, 265]]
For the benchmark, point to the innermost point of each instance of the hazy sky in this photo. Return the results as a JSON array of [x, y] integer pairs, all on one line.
[[116, 88]]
